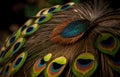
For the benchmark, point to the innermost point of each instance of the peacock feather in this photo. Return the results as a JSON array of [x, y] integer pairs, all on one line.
[[70, 40]]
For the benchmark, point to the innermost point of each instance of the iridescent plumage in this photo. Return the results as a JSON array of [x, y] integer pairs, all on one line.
[[71, 40]]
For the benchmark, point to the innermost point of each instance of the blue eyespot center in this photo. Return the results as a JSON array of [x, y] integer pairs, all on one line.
[[16, 46], [41, 19], [23, 27], [56, 67], [42, 63], [84, 62], [108, 42], [12, 39], [51, 9], [3, 53], [29, 29], [17, 62], [74, 28], [65, 7], [7, 69], [116, 58]]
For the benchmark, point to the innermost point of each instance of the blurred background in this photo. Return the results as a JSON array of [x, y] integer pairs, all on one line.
[[13, 13]]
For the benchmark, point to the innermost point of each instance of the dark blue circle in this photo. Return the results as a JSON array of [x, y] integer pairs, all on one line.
[[115, 59], [108, 42], [16, 46], [41, 63], [17, 62], [12, 39], [41, 18], [84, 62], [7, 69], [51, 9], [3, 53], [64, 7], [23, 27], [56, 66], [29, 29]]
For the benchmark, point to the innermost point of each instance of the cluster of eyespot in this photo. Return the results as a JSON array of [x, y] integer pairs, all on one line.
[[84, 65], [14, 43]]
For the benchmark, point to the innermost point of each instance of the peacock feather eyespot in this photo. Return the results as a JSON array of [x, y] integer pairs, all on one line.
[[69, 27], [25, 25], [41, 12], [56, 67], [7, 70], [1, 70], [43, 18], [18, 62], [23, 28], [12, 39], [84, 65], [2, 54], [16, 35], [15, 47], [69, 31], [74, 28], [66, 6], [107, 43], [30, 30], [114, 62], [40, 65], [53, 9], [3, 51], [18, 44]]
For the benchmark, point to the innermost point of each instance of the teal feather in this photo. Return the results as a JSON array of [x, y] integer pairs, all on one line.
[[74, 28]]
